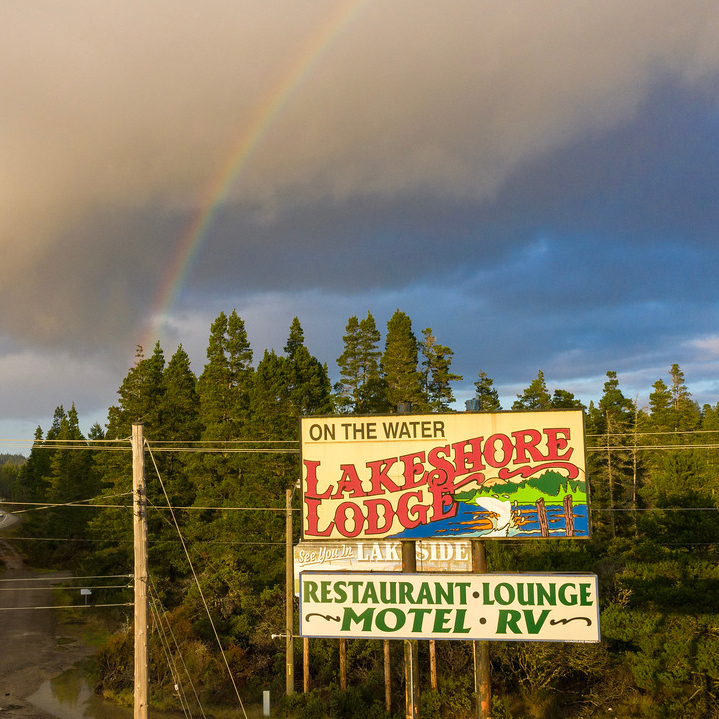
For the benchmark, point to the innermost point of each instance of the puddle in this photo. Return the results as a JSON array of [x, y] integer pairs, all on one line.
[[70, 696]]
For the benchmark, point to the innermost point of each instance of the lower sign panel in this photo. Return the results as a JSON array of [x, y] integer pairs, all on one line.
[[492, 607]]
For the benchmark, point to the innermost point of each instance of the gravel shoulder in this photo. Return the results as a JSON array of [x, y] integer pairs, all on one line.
[[31, 651]]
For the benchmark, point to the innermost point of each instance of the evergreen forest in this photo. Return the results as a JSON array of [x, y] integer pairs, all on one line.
[[223, 448]]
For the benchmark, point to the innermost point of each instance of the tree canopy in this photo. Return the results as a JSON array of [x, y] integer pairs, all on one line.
[[225, 445]]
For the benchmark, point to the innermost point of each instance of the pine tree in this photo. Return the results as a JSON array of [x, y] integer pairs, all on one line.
[[272, 414], [70, 480], [360, 389], [180, 403], [57, 472], [31, 474], [672, 408], [295, 340], [536, 396], [284, 389], [672, 411], [486, 395], [213, 385], [67, 479], [373, 392], [678, 482], [347, 390], [239, 355], [224, 385], [660, 405], [309, 389], [140, 396], [686, 411], [10, 465], [399, 363], [612, 469], [678, 478], [141, 399], [224, 389], [562, 399], [436, 374], [275, 421], [180, 421]]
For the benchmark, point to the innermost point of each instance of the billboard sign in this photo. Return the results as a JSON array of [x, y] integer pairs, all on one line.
[[444, 476], [381, 556], [485, 607]]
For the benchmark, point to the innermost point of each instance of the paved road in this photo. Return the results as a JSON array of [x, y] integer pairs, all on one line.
[[7, 520], [29, 653]]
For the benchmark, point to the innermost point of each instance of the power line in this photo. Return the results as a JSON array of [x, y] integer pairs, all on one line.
[[40, 443], [631, 433], [647, 447], [63, 587], [180, 449], [67, 606], [156, 606], [172, 508], [185, 449], [153, 542], [654, 509], [55, 579], [199, 587], [79, 503]]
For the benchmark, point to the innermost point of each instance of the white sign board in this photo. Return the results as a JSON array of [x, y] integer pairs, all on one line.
[[381, 556], [493, 607]]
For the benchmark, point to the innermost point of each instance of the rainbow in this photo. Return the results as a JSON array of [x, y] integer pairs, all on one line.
[[262, 120]]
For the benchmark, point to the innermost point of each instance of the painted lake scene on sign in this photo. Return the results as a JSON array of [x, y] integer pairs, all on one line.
[[515, 511]]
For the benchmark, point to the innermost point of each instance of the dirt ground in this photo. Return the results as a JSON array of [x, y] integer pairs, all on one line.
[[30, 650]]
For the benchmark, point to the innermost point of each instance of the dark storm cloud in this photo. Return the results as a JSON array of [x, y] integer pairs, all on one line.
[[536, 180], [627, 208]]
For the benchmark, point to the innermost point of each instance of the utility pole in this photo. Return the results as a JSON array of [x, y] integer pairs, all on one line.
[[289, 598], [139, 524]]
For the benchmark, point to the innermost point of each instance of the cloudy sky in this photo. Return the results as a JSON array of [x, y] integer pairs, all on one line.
[[536, 180]]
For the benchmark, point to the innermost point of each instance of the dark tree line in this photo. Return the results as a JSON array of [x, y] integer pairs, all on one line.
[[653, 475]]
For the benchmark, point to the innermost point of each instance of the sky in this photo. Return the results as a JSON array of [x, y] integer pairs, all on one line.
[[534, 180]]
